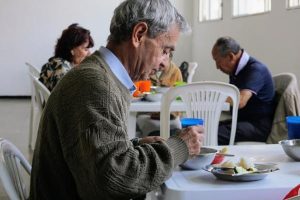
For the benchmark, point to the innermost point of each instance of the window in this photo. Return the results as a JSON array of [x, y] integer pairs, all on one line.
[[210, 10], [293, 3], [250, 7]]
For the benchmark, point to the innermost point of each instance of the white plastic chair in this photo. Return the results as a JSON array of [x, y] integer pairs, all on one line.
[[41, 91], [33, 70], [203, 100], [191, 71], [11, 161], [34, 103], [41, 95]]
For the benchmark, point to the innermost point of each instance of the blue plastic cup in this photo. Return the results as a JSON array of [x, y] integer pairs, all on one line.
[[186, 122], [293, 125]]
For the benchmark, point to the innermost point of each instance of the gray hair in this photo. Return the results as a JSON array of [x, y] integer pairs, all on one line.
[[227, 45], [158, 14]]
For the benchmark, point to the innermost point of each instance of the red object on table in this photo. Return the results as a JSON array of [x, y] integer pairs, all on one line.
[[141, 87], [295, 192], [218, 159], [145, 86]]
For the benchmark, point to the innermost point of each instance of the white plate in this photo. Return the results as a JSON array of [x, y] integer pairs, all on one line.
[[221, 174], [162, 89], [264, 168]]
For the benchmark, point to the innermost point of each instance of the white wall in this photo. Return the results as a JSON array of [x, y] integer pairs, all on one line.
[[183, 50], [273, 38], [30, 28]]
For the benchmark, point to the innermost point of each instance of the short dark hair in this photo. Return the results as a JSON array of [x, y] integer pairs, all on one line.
[[227, 45], [72, 37]]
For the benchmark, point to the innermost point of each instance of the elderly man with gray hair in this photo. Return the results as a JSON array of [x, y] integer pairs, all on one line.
[[256, 87], [82, 149]]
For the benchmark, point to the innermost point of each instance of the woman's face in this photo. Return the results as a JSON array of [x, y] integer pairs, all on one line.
[[80, 52]]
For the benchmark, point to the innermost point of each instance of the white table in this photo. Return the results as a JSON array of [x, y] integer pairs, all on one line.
[[199, 184], [146, 106]]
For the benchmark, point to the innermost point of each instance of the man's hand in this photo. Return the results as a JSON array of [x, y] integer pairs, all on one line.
[[150, 139], [193, 136]]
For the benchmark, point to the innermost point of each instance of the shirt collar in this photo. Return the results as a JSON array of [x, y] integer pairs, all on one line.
[[243, 62], [117, 68]]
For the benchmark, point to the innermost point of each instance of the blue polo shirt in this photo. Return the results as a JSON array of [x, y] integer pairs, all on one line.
[[253, 75]]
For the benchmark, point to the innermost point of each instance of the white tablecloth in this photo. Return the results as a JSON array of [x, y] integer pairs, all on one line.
[[202, 185]]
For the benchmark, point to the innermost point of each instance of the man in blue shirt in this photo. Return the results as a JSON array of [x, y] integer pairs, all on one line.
[[256, 87]]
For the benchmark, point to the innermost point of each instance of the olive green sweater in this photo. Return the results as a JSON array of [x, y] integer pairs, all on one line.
[[82, 149]]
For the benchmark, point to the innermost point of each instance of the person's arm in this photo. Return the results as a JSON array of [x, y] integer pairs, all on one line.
[[176, 75], [102, 160], [245, 95], [192, 136], [179, 76]]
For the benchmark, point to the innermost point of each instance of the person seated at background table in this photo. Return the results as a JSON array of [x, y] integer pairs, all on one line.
[[256, 87], [71, 48], [166, 76], [82, 149]]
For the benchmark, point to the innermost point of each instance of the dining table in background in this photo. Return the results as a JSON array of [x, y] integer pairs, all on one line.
[[200, 184], [147, 106]]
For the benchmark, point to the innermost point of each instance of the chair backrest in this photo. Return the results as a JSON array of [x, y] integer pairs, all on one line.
[[11, 161], [35, 108], [41, 91], [203, 100], [188, 70], [191, 70], [33, 70], [35, 73], [287, 101]]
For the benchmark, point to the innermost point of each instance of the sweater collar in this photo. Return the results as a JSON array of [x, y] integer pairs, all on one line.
[[117, 68]]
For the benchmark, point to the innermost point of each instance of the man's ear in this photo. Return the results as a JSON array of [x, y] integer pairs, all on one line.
[[232, 57], [139, 31]]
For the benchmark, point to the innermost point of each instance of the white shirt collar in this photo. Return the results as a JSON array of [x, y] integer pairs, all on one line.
[[117, 68], [243, 62]]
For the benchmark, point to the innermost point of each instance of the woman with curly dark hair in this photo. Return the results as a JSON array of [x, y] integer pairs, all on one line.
[[71, 48]]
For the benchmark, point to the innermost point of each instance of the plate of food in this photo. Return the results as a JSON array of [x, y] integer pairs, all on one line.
[[242, 171]]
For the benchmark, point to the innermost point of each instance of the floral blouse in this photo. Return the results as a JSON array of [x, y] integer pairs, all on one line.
[[53, 71]]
